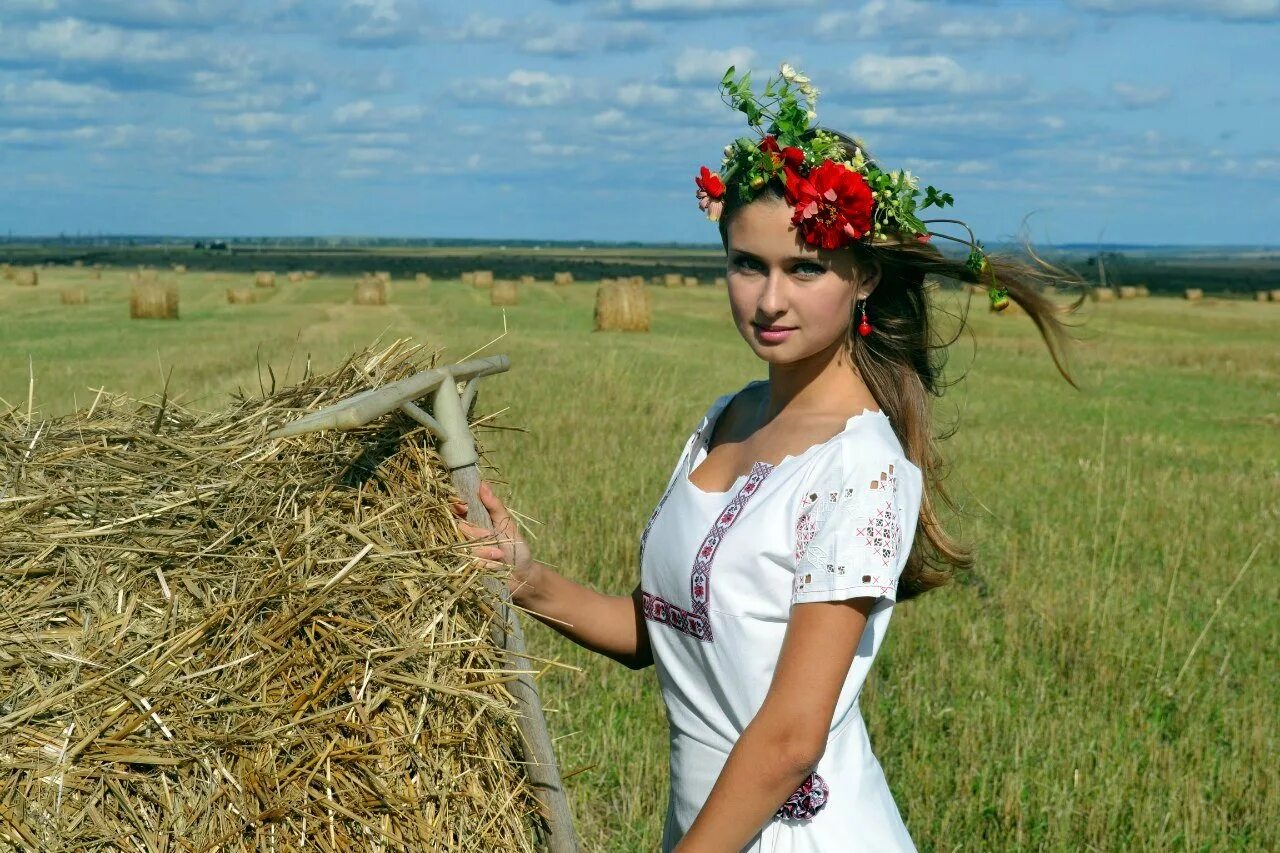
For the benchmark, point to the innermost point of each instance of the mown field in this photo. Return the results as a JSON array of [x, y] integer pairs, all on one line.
[[1107, 678]]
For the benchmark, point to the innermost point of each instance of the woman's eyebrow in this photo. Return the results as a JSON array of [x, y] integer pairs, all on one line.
[[812, 259]]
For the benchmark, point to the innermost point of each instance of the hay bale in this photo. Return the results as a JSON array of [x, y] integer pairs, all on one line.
[[146, 275], [504, 293], [372, 290], [527, 279], [1193, 294], [28, 277], [622, 306], [673, 279], [180, 269], [248, 644], [563, 278], [295, 276], [484, 278], [719, 281], [1143, 292], [153, 300], [78, 264], [241, 296], [1128, 291], [309, 274], [1261, 295], [1102, 294], [1275, 295], [6, 272], [264, 278], [73, 296], [422, 278], [383, 275], [468, 278], [691, 281]]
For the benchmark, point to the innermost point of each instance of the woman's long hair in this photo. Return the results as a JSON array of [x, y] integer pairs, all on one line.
[[902, 364]]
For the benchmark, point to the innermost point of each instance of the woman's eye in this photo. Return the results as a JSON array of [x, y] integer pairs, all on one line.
[[810, 270], [746, 264]]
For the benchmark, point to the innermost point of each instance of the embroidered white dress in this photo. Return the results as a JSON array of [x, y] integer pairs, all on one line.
[[719, 573]]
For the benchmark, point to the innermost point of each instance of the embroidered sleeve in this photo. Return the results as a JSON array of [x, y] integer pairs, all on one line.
[[849, 531]]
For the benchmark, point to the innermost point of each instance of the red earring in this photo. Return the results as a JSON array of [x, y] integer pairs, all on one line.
[[864, 328]]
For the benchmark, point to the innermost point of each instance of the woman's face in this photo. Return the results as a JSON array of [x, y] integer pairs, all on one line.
[[776, 279]]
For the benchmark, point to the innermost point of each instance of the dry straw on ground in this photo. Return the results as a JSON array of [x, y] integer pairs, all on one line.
[[241, 296], [563, 278], [1275, 295], [691, 281], [26, 277], [295, 276], [484, 278], [622, 306], [673, 279], [1193, 294], [504, 293], [73, 296], [216, 641], [1128, 291], [468, 278], [383, 275], [180, 269], [153, 300], [264, 278], [1102, 294], [372, 291]]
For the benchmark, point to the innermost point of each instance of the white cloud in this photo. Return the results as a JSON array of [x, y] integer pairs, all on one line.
[[696, 8], [1227, 10], [935, 74], [46, 92], [646, 95], [698, 65], [524, 88], [537, 35], [365, 114], [253, 123], [916, 21], [371, 155], [1137, 97], [74, 40]]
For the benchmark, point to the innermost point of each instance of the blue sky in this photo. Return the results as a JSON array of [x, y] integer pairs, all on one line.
[[1151, 121]]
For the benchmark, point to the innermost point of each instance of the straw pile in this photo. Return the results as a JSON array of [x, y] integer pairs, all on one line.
[[1102, 294], [153, 300], [264, 279], [720, 281], [383, 275], [691, 281], [483, 278], [26, 277], [218, 642], [1193, 294], [73, 296], [371, 290], [1261, 295], [1275, 295], [504, 293], [1128, 291], [468, 278], [1143, 291], [295, 276], [622, 306], [422, 278], [241, 296], [6, 272], [673, 279], [180, 269], [309, 274], [563, 278], [145, 274], [527, 279]]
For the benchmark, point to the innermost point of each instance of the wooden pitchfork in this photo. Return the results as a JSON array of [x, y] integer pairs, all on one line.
[[448, 423]]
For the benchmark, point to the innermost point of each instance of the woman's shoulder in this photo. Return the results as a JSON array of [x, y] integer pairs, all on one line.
[[867, 449]]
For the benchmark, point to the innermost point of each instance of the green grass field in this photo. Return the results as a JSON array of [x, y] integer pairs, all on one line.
[[1106, 681]]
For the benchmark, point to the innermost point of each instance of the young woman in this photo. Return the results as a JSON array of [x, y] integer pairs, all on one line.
[[803, 508]]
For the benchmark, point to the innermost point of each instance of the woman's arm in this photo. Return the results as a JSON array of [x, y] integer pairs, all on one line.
[[611, 625], [787, 736]]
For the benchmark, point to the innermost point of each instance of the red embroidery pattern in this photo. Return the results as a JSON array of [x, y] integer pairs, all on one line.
[[696, 622], [882, 530], [806, 801], [879, 530]]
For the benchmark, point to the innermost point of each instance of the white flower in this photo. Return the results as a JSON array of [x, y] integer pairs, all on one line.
[[895, 177], [811, 115], [788, 73]]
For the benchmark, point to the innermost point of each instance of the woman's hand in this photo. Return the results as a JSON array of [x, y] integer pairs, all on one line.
[[510, 551]]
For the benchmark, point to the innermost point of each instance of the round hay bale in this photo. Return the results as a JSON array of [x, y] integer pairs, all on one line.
[[241, 296], [1143, 292], [719, 281], [180, 269], [422, 278], [1275, 295], [73, 296], [1102, 294], [372, 290], [622, 306], [1193, 294], [383, 275], [153, 300], [1128, 291], [28, 277], [295, 276], [527, 279], [673, 279], [563, 278], [78, 264], [264, 278], [309, 274], [1262, 295], [504, 293], [691, 281], [283, 651], [146, 274], [6, 272], [468, 278], [484, 278]]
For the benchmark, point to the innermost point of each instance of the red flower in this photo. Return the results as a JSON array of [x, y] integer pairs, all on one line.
[[709, 182], [790, 157], [832, 206]]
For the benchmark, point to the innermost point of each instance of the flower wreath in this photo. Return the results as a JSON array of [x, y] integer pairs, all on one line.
[[837, 199]]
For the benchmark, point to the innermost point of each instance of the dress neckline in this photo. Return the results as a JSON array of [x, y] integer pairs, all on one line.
[[705, 436]]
